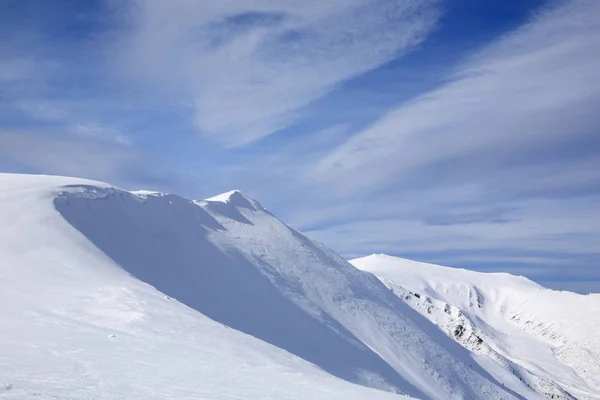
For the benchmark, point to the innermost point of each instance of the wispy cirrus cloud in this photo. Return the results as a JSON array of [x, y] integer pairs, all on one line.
[[89, 157], [533, 92], [66, 154], [499, 164], [245, 69]]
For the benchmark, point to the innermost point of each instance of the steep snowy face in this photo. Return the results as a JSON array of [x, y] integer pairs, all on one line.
[[96, 280], [548, 339], [231, 260], [352, 304]]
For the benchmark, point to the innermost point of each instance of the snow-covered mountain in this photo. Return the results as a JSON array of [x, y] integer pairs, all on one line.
[[75, 325], [109, 294], [548, 339]]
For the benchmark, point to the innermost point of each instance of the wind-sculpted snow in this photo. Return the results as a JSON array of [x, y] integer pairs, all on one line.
[[546, 339], [94, 278], [75, 325], [181, 250]]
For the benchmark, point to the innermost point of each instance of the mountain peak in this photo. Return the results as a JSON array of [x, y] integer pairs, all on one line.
[[237, 199], [383, 257], [379, 255]]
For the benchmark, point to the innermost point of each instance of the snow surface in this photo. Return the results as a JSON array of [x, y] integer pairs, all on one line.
[[74, 325], [109, 294], [547, 339]]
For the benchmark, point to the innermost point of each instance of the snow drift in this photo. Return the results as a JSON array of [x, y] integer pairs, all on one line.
[[112, 294]]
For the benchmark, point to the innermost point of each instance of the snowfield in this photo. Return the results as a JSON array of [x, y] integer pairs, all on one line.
[[75, 325], [110, 294], [548, 339]]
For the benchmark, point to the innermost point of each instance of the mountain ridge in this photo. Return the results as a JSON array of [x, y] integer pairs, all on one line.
[[76, 325], [544, 337], [84, 260]]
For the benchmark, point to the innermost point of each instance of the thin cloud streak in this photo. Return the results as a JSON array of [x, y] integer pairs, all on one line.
[[82, 156], [247, 68], [536, 87]]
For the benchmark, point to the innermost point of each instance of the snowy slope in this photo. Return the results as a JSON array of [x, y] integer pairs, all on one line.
[[111, 294], [549, 339], [74, 325]]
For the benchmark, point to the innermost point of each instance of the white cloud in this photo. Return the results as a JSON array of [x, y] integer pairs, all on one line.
[[43, 110], [410, 226], [101, 132], [71, 118], [44, 152], [247, 68], [534, 88]]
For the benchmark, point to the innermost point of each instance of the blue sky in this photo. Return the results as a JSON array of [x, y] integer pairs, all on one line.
[[464, 132]]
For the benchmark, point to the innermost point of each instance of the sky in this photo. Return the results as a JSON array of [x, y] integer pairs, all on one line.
[[458, 132]]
